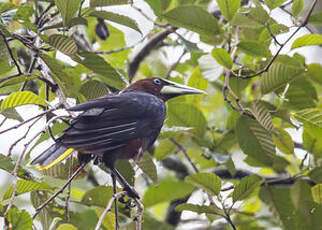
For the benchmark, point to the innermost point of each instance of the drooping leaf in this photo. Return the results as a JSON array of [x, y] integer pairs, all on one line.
[[21, 98], [209, 182], [277, 76], [117, 18], [228, 8], [195, 19], [147, 165], [254, 48], [272, 4], [67, 9], [19, 220], [262, 115], [222, 57], [258, 142], [64, 44], [284, 141], [297, 7], [160, 193], [307, 40], [200, 209], [24, 186], [94, 3], [246, 186], [317, 193]]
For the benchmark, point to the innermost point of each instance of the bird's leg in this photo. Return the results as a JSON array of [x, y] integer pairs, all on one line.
[[126, 186], [115, 202]]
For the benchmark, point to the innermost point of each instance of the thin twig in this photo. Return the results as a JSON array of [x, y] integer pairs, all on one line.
[[79, 169], [148, 17], [138, 216], [272, 35], [231, 223], [174, 65], [69, 189], [108, 208]]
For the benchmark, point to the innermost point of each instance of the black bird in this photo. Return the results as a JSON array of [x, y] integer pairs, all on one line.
[[116, 126]]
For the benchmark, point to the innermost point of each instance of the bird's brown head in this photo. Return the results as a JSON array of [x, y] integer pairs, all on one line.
[[163, 88]]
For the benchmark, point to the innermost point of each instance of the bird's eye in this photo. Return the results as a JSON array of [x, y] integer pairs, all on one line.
[[157, 81]]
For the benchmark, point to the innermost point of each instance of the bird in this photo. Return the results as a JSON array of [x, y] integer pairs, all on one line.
[[116, 126]]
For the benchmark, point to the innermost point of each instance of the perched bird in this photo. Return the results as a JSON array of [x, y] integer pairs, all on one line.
[[116, 126]]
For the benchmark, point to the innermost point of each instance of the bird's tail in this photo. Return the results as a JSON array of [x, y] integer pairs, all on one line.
[[51, 156]]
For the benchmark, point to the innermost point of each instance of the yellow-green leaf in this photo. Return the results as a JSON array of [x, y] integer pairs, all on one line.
[[22, 98], [228, 8], [317, 193], [307, 40], [209, 182], [284, 142], [222, 57], [68, 9], [297, 7]]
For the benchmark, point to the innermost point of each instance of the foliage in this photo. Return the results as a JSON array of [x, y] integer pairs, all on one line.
[[51, 54]]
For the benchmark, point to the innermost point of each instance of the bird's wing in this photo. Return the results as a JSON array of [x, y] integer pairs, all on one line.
[[108, 123]]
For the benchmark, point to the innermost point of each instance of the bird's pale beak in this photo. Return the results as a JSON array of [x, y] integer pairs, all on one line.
[[176, 89]]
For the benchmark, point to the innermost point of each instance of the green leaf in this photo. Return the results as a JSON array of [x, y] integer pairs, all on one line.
[[8, 165], [277, 76], [272, 4], [254, 48], [200, 209], [98, 65], [125, 169], [196, 81], [157, 194], [262, 115], [222, 57], [297, 7], [312, 140], [245, 187], [11, 114], [307, 40], [209, 182], [316, 175], [195, 19], [173, 131], [64, 44], [66, 227], [316, 19], [67, 9], [19, 220], [98, 196], [301, 190], [164, 149], [258, 143], [228, 8], [314, 72], [21, 98], [317, 193], [147, 165], [186, 115], [93, 89], [284, 142], [117, 18], [24, 186], [94, 3], [310, 116]]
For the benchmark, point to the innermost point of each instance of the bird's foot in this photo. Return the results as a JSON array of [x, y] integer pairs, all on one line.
[[132, 193]]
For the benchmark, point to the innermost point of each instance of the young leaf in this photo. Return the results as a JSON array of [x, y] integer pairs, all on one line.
[[147, 165], [209, 182], [258, 143], [297, 7], [284, 142], [254, 48], [262, 115], [222, 57], [117, 18], [307, 40], [67, 9], [94, 3], [246, 186], [19, 220], [22, 98], [64, 44], [213, 209], [317, 193], [228, 8]]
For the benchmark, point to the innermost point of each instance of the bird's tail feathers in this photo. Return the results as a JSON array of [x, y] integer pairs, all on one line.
[[51, 156]]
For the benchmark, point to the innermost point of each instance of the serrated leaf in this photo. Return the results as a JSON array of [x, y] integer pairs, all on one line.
[[94, 3], [147, 165], [272, 4], [64, 44], [117, 18], [67, 9], [200, 209], [316, 19], [93, 89], [307, 40], [297, 7], [284, 142], [245, 187], [317, 193], [258, 143], [160, 193], [262, 115], [21, 98], [310, 116], [209, 182], [98, 196], [228, 8], [98, 65], [19, 220], [186, 115], [222, 57], [195, 19], [277, 76], [24, 186], [254, 48]]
